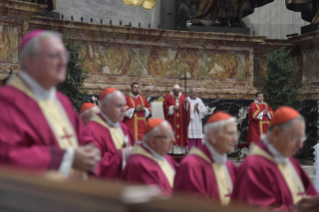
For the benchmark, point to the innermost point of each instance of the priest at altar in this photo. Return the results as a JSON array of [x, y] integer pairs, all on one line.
[[205, 171], [87, 110], [138, 109], [270, 177], [259, 115], [149, 163], [111, 135], [39, 129], [175, 107], [197, 113]]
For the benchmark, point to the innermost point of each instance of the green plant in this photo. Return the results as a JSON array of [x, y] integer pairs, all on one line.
[[73, 86], [281, 83]]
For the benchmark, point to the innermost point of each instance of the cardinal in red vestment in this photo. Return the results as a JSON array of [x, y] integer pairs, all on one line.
[[149, 163], [39, 129], [138, 109], [87, 110], [259, 114], [175, 107], [270, 177], [205, 171], [110, 135]]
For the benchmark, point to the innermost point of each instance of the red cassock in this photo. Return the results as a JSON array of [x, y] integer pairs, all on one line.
[[197, 177], [111, 163], [137, 122], [26, 139], [256, 126], [259, 182], [145, 170], [178, 119]]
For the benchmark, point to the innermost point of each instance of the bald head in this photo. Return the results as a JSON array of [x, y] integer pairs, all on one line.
[[113, 106], [161, 138]]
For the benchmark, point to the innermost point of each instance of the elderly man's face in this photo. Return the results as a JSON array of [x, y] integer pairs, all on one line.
[[225, 140], [114, 109], [289, 142], [176, 92], [193, 92], [48, 65], [163, 142]]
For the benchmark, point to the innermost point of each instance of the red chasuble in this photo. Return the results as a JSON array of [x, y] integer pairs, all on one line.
[[137, 122], [260, 182], [111, 163], [256, 126], [197, 177], [178, 119], [26, 139], [145, 170]]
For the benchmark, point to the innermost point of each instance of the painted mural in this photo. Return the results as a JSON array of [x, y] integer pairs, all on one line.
[[162, 62], [9, 42]]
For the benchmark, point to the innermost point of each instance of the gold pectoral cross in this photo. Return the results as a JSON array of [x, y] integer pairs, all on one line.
[[67, 136]]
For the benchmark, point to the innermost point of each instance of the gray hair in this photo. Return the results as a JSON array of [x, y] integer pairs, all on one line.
[[86, 112], [33, 46], [217, 126], [286, 126]]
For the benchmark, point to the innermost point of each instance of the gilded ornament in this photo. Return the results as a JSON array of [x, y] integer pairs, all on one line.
[[146, 4], [149, 4]]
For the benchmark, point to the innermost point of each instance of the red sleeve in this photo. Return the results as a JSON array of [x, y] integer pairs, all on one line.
[[128, 101], [166, 106], [271, 112]]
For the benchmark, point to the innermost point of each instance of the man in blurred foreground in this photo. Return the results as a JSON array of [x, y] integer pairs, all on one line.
[[270, 177], [149, 163], [110, 135], [39, 129], [205, 171]]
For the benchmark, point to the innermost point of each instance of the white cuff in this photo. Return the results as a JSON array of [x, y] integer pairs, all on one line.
[[147, 112], [123, 160], [260, 116], [269, 116], [67, 162], [171, 110], [129, 113]]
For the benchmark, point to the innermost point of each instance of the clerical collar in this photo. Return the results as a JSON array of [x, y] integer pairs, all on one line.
[[132, 95], [156, 156], [259, 102], [109, 122], [37, 90], [277, 156], [193, 98], [216, 156], [176, 97]]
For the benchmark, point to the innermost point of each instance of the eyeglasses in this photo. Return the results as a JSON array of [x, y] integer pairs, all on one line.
[[58, 55], [165, 137], [299, 138]]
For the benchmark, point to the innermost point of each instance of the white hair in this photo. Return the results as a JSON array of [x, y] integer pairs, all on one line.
[[84, 113], [217, 126], [286, 126], [153, 132], [33, 46]]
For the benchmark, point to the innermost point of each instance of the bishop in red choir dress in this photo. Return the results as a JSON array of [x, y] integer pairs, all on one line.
[[259, 114], [39, 129], [87, 110], [138, 109], [270, 177], [175, 107], [149, 163], [205, 171], [110, 135]]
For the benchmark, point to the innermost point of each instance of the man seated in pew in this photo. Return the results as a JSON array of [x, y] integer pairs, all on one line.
[[39, 129], [205, 171], [111, 135], [270, 177], [149, 163]]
